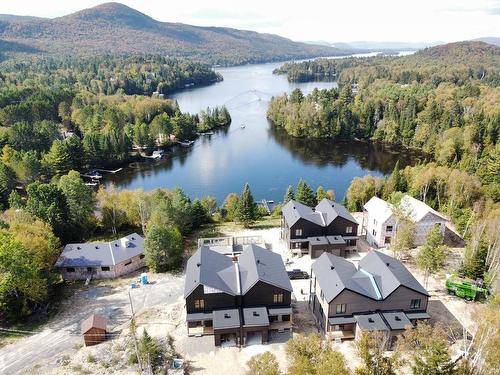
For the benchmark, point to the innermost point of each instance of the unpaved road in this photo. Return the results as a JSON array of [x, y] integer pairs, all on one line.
[[62, 336]]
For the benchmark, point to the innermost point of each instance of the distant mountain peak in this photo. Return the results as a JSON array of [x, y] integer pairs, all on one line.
[[116, 13]]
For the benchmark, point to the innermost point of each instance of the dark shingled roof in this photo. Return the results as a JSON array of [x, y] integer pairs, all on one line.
[[331, 210], [229, 318], [255, 316], [397, 320], [323, 214], [389, 273], [293, 211], [212, 269], [374, 278], [209, 268], [371, 322], [259, 264]]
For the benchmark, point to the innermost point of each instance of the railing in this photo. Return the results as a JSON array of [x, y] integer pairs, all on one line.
[[230, 241]]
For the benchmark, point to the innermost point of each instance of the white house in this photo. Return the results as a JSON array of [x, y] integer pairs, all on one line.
[[380, 221]]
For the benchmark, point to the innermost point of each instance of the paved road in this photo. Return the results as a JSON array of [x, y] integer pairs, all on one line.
[[63, 333]]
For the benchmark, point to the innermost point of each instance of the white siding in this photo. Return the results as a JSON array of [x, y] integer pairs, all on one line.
[[378, 239]]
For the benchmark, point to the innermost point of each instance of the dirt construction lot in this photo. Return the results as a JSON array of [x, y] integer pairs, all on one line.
[[160, 309]]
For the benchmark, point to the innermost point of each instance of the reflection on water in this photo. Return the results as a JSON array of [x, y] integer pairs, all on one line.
[[265, 157]]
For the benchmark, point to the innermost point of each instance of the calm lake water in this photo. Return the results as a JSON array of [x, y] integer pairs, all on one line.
[[266, 158]]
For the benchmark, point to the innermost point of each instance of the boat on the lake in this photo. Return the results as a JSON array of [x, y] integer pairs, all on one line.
[[185, 143], [157, 154], [206, 133], [93, 175]]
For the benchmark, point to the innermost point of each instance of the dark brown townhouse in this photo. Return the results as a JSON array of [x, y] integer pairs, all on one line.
[[327, 227], [237, 299], [378, 295]]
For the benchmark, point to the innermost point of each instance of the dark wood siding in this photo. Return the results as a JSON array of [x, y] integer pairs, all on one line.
[[261, 294], [212, 301], [338, 227], [94, 336], [400, 299], [309, 229]]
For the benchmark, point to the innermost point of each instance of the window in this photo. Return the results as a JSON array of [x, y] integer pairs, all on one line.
[[70, 269], [387, 239], [128, 263], [89, 269], [278, 298], [298, 232], [374, 222], [199, 304], [351, 242], [415, 303], [388, 228], [273, 318], [297, 245], [285, 318], [322, 295], [374, 232], [104, 268], [348, 229], [341, 309]]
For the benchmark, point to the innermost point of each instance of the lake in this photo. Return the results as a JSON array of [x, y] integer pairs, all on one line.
[[259, 154]]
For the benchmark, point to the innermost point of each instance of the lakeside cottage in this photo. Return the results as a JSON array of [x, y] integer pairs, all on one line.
[[237, 299], [381, 225], [101, 260], [328, 227], [378, 295]]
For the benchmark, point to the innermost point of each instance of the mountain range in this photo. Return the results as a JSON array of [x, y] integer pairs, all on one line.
[[114, 28]]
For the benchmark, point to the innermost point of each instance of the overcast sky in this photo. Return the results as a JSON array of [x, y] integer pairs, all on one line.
[[312, 20]]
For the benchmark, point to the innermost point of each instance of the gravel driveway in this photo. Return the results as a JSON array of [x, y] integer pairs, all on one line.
[[62, 336]]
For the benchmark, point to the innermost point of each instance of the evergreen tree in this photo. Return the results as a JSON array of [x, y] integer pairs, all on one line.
[[431, 256], [393, 182], [246, 211], [289, 195], [304, 194]]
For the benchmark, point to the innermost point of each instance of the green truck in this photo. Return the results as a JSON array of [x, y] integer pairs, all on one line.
[[468, 290]]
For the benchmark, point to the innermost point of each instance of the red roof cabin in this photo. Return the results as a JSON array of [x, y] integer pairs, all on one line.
[[94, 329]]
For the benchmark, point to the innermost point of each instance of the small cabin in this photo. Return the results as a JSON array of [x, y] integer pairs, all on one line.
[[94, 329]]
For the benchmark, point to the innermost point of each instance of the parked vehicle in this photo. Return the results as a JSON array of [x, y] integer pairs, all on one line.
[[296, 274], [468, 290]]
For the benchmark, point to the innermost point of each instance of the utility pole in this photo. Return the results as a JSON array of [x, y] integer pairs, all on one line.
[[133, 329]]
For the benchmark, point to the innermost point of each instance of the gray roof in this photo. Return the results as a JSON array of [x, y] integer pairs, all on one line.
[[229, 318], [389, 273], [194, 317], [280, 311], [374, 278], [397, 320], [420, 315], [99, 254], [293, 211], [331, 210], [341, 320], [255, 316], [323, 214], [210, 268], [259, 264], [322, 240], [336, 240], [371, 322], [332, 273]]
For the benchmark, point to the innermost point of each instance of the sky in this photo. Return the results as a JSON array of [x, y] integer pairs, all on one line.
[[313, 20]]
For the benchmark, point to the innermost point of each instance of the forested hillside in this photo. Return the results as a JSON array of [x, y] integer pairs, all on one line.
[[117, 29], [443, 100]]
